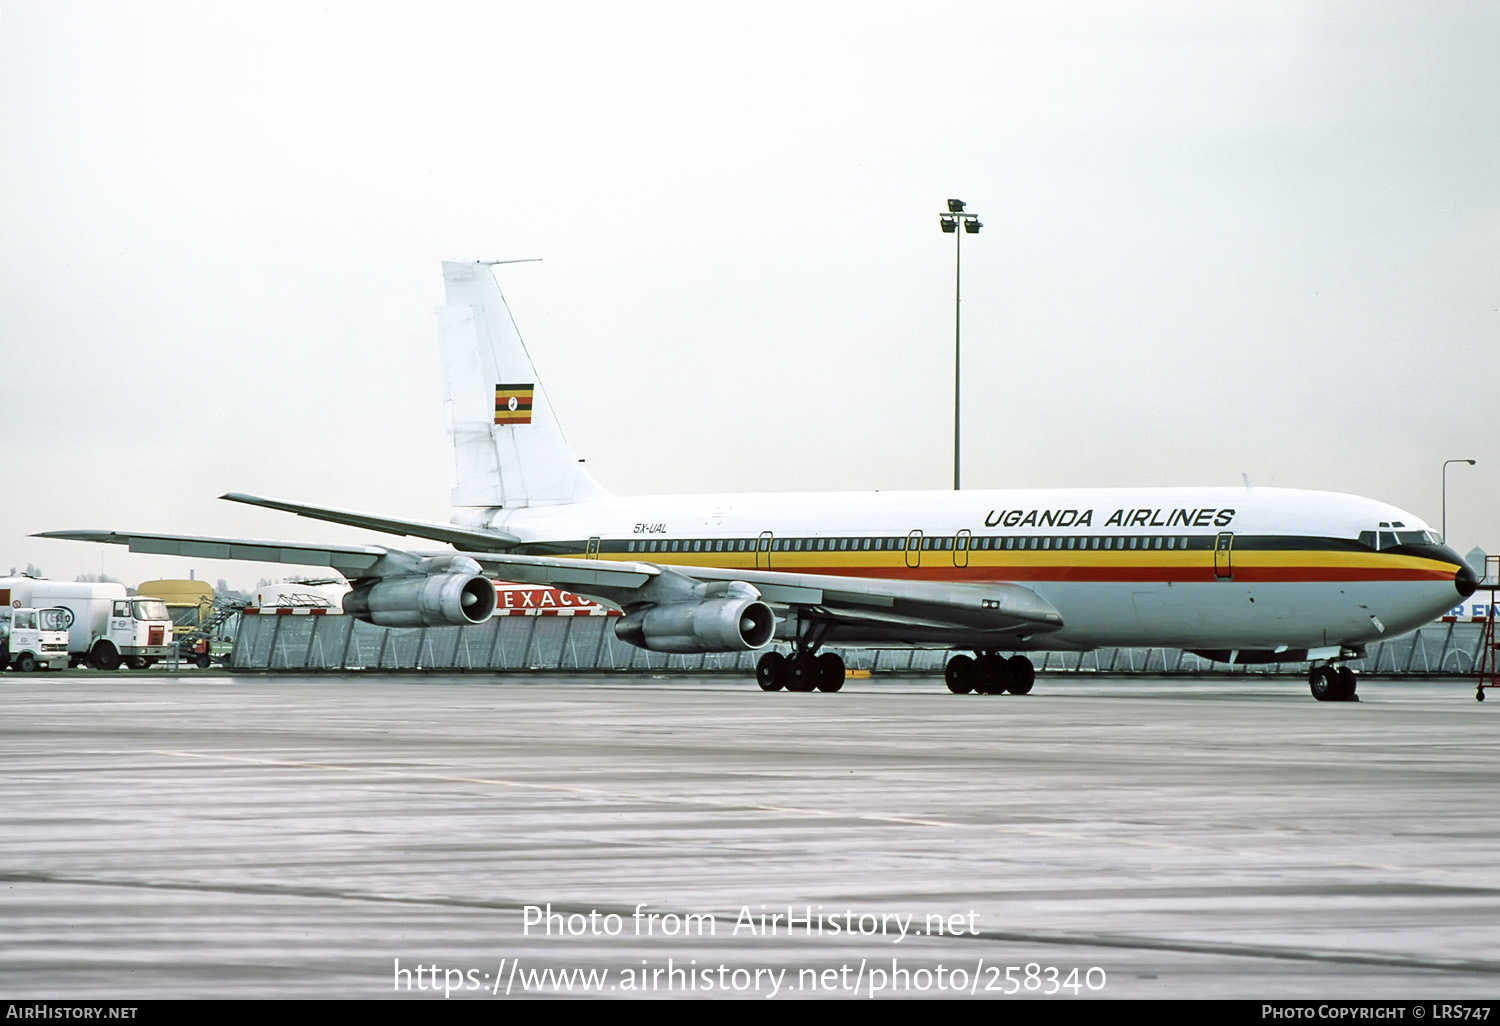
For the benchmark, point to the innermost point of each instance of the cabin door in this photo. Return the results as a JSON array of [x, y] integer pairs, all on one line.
[[961, 544], [763, 548], [914, 549], [1223, 549]]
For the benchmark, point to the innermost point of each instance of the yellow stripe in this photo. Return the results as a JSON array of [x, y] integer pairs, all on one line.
[[1077, 558]]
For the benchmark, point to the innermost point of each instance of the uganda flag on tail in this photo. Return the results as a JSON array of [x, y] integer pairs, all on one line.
[[513, 404]]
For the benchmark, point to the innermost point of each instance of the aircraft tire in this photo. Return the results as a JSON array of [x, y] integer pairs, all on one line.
[[804, 672], [104, 656], [960, 675], [991, 673], [1323, 683], [1347, 685], [771, 671], [1022, 675], [830, 672]]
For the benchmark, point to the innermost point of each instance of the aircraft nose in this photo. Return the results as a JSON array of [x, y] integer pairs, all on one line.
[[1466, 580]]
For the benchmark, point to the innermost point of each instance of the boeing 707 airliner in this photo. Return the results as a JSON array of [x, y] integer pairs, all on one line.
[[1233, 574]]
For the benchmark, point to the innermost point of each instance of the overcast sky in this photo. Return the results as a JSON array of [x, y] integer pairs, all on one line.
[[1220, 239]]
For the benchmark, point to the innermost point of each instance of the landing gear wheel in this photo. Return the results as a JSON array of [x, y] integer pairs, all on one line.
[[1324, 684], [771, 672], [1022, 675], [960, 675], [1347, 684], [804, 675], [830, 672], [26, 663], [1479, 694], [993, 674], [105, 656]]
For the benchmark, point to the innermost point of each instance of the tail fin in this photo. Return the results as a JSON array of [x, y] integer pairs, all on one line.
[[507, 448]]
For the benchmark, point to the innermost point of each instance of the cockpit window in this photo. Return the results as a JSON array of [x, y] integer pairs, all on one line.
[[1382, 540]]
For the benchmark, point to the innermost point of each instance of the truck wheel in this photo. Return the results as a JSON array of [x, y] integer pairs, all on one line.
[[135, 662], [26, 663], [4, 654], [104, 656], [202, 661]]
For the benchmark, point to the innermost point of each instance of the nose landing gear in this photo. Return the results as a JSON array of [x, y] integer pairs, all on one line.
[[1332, 684]]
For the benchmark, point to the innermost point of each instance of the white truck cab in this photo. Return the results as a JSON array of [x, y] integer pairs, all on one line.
[[140, 629], [34, 639]]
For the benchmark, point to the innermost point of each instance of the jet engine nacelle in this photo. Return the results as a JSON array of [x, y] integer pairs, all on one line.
[[717, 625], [455, 598]]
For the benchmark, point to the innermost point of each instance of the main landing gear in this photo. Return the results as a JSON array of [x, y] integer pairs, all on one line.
[[1332, 684], [803, 671], [989, 674]]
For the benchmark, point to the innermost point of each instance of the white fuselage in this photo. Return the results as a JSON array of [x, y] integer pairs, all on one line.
[[1200, 568]]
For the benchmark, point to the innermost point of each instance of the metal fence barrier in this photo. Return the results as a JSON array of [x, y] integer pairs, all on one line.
[[588, 644]]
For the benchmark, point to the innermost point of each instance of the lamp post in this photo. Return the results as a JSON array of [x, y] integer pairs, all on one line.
[[949, 222], [1445, 494]]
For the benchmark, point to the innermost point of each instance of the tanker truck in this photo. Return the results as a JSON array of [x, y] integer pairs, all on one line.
[[108, 627]]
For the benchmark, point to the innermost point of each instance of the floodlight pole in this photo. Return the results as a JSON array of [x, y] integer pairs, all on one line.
[[958, 266], [952, 221], [1445, 494]]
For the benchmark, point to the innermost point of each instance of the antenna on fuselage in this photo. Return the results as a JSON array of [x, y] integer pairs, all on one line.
[[1247, 480]]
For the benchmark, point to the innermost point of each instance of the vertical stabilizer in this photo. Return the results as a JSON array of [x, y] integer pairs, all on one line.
[[507, 447]]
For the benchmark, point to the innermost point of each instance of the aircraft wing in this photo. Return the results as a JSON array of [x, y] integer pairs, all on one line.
[[453, 534], [874, 600], [835, 600], [352, 561], [361, 561]]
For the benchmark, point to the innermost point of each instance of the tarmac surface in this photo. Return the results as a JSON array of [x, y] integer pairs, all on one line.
[[366, 836]]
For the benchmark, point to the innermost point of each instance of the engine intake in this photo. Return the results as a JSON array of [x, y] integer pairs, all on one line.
[[737, 624], [453, 599]]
